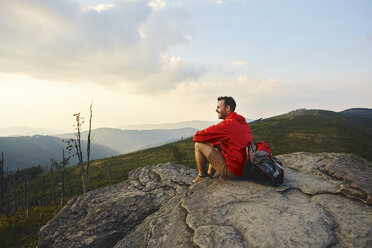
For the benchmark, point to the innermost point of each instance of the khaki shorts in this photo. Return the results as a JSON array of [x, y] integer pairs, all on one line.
[[217, 160], [225, 173]]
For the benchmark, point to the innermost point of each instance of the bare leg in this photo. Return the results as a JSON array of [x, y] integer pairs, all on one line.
[[205, 152], [201, 160]]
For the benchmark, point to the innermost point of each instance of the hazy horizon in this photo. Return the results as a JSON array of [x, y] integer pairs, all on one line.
[[137, 126], [15, 131], [160, 61]]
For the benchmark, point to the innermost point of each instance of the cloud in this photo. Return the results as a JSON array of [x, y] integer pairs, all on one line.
[[173, 69], [99, 8], [220, 2], [256, 95], [157, 4], [261, 86], [239, 63], [124, 42], [254, 87]]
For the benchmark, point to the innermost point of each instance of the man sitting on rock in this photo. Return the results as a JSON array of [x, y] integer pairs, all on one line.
[[223, 145]]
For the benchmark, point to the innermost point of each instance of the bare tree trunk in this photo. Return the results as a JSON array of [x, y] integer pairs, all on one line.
[[52, 181], [88, 148], [25, 192], [2, 184], [8, 187], [63, 176], [29, 192], [15, 199], [20, 200], [77, 145], [44, 195], [79, 123]]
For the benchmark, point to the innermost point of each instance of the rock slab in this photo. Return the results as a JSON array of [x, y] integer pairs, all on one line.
[[325, 201]]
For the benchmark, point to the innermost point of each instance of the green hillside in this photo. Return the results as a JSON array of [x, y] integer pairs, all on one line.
[[309, 130], [316, 131]]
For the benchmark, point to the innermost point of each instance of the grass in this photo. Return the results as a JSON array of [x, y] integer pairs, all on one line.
[[315, 131]]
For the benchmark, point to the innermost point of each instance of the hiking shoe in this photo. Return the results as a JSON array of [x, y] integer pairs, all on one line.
[[200, 177]]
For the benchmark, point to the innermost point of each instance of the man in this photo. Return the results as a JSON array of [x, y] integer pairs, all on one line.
[[232, 136]]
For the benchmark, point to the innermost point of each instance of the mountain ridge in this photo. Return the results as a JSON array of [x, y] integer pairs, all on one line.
[[126, 141], [27, 151], [316, 131]]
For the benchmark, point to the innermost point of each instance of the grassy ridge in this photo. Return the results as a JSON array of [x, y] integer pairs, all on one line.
[[311, 131], [316, 131]]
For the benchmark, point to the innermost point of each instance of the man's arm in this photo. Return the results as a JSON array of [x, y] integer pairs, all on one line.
[[213, 133]]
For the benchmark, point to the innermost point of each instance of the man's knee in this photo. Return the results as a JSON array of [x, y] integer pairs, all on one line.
[[196, 145], [204, 148], [200, 145]]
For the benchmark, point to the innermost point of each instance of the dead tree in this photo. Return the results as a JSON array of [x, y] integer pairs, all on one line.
[[26, 195], [25, 191], [20, 199], [44, 194], [10, 198], [64, 162], [88, 149], [53, 164], [2, 184], [29, 192], [76, 144], [15, 197]]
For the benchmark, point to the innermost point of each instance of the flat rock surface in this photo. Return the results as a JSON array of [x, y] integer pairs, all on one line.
[[325, 201]]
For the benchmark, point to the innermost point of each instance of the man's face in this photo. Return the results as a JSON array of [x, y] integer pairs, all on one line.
[[221, 110]]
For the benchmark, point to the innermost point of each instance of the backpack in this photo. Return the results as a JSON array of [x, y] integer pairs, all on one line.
[[262, 166]]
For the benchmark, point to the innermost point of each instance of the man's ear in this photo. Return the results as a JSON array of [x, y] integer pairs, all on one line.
[[228, 108]]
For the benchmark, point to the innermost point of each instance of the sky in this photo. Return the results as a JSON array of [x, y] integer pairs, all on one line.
[[165, 61]]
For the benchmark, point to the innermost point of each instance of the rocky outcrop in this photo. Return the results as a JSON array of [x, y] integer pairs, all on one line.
[[325, 201]]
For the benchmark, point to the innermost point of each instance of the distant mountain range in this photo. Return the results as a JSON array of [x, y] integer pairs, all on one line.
[[361, 113], [302, 130], [131, 140], [27, 151], [26, 131], [196, 124], [192, 124]]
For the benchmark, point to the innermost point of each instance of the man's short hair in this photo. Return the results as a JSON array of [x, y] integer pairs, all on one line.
[[228, 101]]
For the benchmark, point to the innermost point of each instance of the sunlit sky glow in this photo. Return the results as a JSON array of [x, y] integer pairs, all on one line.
[[162, 61]]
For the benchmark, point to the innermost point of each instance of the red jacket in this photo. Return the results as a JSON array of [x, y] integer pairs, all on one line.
[[234, 135]]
